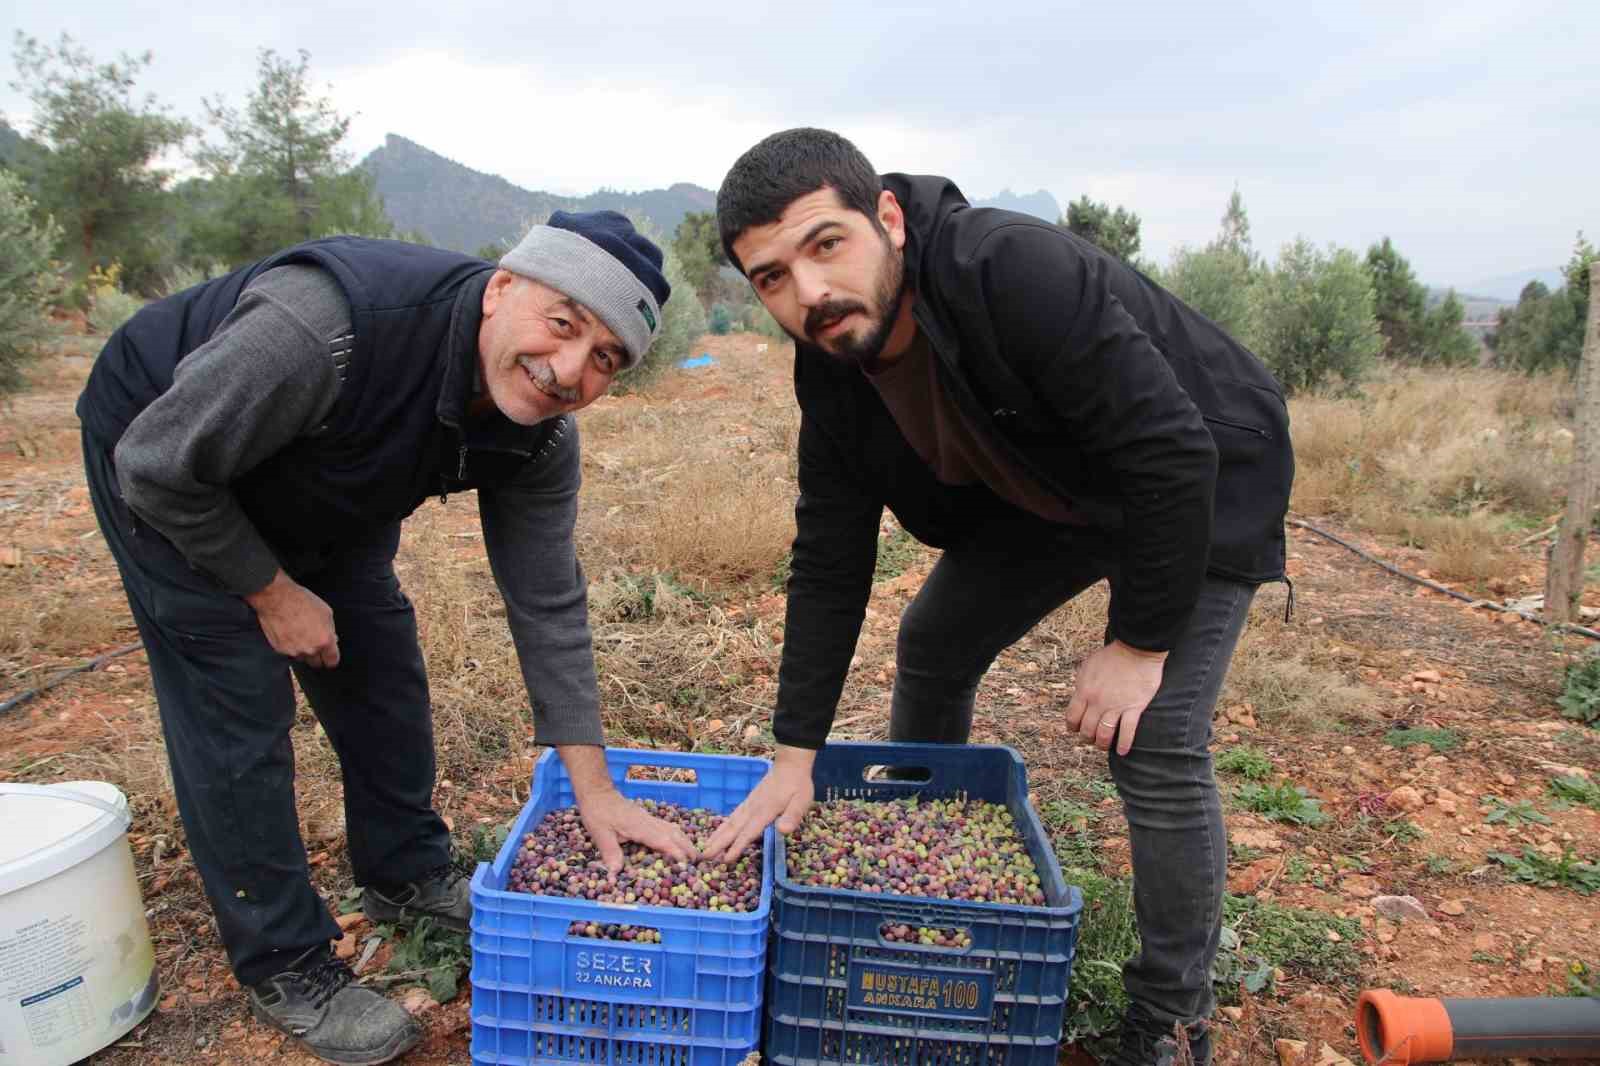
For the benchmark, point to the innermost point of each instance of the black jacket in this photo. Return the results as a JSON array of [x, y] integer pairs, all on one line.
[[1142, 413]]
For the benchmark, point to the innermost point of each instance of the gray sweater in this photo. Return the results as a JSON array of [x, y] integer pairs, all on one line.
[[271, 374]]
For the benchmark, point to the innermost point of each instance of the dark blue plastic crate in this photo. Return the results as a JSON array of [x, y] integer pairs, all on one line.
[[837, 992], [541, 996]]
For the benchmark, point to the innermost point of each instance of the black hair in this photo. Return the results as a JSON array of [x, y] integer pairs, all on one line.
[[786, 166]]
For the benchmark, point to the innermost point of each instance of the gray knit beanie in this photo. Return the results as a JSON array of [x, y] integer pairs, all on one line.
[[598, 259]]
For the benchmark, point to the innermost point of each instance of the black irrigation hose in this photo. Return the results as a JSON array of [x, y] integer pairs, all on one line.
[[93, 664], [1582, 631]]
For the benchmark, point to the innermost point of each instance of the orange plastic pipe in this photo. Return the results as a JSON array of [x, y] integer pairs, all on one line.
[[1400, 1030]]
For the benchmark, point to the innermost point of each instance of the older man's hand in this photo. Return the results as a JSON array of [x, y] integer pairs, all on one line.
[[296, 622], [613, 820]]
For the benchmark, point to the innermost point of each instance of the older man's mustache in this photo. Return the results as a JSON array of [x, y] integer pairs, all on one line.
[[545, 378]]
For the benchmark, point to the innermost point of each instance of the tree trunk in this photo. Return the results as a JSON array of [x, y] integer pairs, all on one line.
[[1564, 580]]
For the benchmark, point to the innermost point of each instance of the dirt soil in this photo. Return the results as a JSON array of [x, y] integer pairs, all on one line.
[[1412, 658]]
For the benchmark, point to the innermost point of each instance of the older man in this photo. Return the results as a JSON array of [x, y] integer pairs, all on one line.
[[1050, 418], [251, 447]]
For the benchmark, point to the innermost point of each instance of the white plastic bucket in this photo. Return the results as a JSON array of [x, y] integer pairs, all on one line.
[[76, 967]]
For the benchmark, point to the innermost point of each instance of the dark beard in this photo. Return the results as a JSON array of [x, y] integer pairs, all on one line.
[[865, 350]]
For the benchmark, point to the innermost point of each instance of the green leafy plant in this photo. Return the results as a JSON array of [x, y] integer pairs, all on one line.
[[1248, 762], [1403, 830], [1271, 937], [431, 955], [1107, 938], [1439, 864], [1440, 740], [1580, 697], [487, 839], [1282, 803], [896, 553], [1582, 979], [1534, 868], [1521, 812], [1570, 788]]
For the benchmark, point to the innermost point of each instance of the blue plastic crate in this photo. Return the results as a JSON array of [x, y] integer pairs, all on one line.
[[838, 992], [541, 996]]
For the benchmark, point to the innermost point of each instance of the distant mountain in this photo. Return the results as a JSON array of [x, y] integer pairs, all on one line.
[[457, 207], [1509, 286], [1038, 204], [11, 143]]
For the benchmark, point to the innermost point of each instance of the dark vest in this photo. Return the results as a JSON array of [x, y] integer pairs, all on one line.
[[398, 432]]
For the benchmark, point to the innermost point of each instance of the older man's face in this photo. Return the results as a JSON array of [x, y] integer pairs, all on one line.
[[542, 354]]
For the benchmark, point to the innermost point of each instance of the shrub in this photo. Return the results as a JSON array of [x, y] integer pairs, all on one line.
[[1545, 330], [1580, 697], [721, 321], [1216, 282], [1312, 317], [683, 323], [25, 274], [109, 306]]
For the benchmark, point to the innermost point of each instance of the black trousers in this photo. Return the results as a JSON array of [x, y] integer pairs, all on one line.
[[227, 705], [983, 597]]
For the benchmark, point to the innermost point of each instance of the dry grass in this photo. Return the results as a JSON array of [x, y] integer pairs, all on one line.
[[1292, 684], [1457, 463]]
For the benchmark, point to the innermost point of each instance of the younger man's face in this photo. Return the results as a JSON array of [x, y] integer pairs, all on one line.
[[830, 276]]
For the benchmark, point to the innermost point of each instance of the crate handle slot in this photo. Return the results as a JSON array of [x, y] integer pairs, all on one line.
[[662, 774], [631, 935], [879, 773], [908, 934]]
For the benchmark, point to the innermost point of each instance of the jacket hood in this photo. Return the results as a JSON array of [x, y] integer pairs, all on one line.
[[928, 201]]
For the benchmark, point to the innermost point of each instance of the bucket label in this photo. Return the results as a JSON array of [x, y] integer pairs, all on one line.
[[58, 1013], [616, 971], [955, 993]]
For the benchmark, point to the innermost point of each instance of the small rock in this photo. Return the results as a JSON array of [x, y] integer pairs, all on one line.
[[1429, 676], [1445, 794], [1334, 937], [1233, 1014], [715, 725], [1533, 964], [168, 1002], [1386, 936], [1359, 887], [1483, 942], [1330, 1057], [347, 922], [345, 946], [1505, 779], [1265, 839], [417, 1001], [1397, 908], [1447, 807], [1453, 907], [1290, 1052], [1405, 798], [752, 732]]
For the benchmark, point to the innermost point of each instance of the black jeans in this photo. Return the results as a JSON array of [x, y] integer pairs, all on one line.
[[980, 599], [227, 706]]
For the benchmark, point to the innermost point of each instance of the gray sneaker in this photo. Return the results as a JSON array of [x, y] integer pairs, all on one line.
[[316, 1004], [442, 894]]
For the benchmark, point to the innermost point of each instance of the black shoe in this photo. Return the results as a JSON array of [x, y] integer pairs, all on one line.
[[315, 1003], [442, 894], [1146, 1042]]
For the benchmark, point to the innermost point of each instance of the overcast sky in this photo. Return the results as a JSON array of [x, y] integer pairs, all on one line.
[[1467, 131]]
